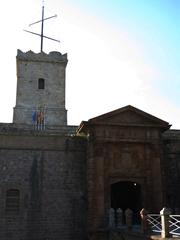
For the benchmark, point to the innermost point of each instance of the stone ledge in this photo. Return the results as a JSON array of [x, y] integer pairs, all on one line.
[[158, 237], [25, 129], [172, 134]]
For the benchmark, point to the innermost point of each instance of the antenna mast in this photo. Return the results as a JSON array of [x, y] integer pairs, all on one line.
[[42, 28]]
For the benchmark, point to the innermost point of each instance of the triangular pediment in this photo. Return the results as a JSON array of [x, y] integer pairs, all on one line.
[[129, 115]]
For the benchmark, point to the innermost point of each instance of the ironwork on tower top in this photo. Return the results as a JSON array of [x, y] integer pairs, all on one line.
[[42, 28]]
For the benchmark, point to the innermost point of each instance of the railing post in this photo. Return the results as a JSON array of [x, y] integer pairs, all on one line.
[[144, 223], [111, 218], [129, 216], [164, 213], [119, 215]]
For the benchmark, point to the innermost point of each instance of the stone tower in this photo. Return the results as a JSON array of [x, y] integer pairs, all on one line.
[[40, 85]]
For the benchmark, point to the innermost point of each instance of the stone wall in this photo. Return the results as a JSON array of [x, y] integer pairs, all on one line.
[[51, 98], [124, 157], [49, 172], [44, 175], [172, 169]]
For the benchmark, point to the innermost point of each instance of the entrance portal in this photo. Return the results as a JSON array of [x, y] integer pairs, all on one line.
[[125, 195]]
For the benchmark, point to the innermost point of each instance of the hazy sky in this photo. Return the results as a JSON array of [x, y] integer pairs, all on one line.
[[120, 52]]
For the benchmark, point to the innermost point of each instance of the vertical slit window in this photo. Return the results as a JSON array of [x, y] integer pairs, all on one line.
[[41, 83]]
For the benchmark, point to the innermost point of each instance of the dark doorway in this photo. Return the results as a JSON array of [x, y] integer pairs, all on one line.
[[125, 195]]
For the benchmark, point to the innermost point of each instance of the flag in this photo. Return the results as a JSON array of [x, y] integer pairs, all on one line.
[[40, 117], [34, 116]]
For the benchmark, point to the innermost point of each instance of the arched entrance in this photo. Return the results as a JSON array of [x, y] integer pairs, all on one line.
[[126, 194]]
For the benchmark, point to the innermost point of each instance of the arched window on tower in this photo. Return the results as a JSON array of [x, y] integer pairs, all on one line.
[[41, 83], [12, 201]]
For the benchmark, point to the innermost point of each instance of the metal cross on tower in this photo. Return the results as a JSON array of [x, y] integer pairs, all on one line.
[[42, 27]]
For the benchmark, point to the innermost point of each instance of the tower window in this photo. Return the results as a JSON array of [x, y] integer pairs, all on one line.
[[41, 83], [12, 201]]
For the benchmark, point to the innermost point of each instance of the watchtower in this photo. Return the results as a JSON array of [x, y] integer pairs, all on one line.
[[40, 86]]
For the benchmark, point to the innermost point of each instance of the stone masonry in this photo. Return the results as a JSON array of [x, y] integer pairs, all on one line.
[[58, 181], [49, 172], [49, 68]]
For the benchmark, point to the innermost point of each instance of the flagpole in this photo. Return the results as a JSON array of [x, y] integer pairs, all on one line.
[[44, 118]]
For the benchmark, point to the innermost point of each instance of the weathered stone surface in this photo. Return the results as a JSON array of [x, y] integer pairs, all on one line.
[[49, 171], [30, 68], [64, 180], [60, 191], [124, 146], [171, 169]]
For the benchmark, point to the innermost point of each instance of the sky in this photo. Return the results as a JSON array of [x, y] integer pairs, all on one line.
[[120, 52]]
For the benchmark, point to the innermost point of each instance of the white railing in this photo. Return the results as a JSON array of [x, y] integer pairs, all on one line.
[[174, 224], [154, 221], [164, 224]]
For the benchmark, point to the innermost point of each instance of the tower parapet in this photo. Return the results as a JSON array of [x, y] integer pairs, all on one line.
[[40, 88], [42, 57]]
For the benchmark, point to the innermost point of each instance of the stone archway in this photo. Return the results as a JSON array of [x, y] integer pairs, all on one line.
[[126, 194]]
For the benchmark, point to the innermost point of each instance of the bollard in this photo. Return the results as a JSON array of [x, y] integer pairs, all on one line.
[[119, 215], [111, 218], [129, 218], [164, 213], [144, 222]]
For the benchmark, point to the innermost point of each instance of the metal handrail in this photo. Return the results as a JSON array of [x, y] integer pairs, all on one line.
[[154, 221], [174, 224]]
